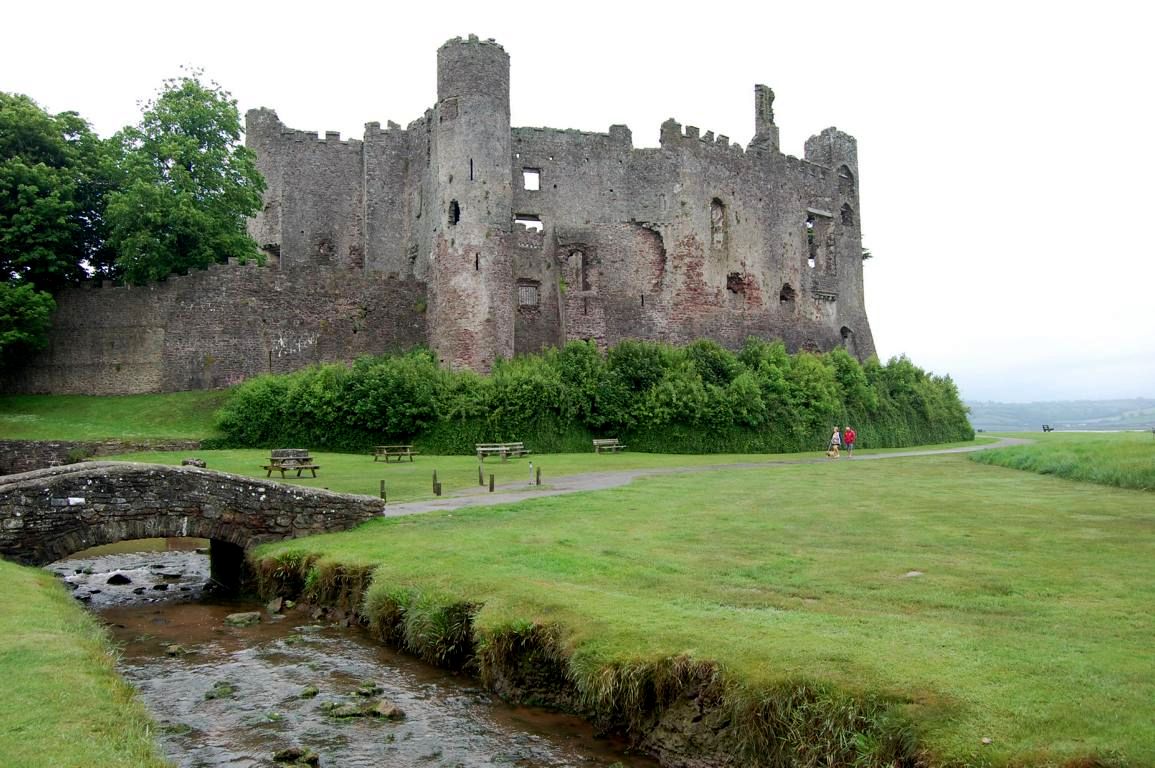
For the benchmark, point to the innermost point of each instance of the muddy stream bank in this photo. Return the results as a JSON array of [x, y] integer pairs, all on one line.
[[225, 695]]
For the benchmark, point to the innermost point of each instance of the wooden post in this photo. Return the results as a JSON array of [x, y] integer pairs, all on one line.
[[491, 483], [480, 476], [437, 489], [539, 475], [435, 481], [382, 489]]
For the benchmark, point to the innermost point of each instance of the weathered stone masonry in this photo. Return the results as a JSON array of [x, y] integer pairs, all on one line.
[[48, 514], [484, 241], [530, 237]]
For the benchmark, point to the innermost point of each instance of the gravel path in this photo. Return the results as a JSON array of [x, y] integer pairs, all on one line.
[[597, 481]]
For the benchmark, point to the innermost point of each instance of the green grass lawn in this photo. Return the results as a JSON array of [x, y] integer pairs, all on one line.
[[63, 703], [408, 481], [993, 604], [1121, 459], [187, 415]]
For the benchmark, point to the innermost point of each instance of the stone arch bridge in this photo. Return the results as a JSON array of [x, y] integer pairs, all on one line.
[[48, 514]]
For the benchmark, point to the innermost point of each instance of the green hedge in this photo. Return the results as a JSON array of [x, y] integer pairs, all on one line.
[[700, 398]]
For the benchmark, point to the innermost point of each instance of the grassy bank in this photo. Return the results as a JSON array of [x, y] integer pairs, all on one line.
[[1120, 459], [187, 415], [1001, 617], [407, 481], [63, 704]]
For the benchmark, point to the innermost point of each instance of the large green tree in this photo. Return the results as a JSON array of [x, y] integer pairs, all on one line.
[[54, 172], [189, 185], [25, 317]]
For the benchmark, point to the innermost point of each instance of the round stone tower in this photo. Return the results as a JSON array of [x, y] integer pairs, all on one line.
[[471, 287]]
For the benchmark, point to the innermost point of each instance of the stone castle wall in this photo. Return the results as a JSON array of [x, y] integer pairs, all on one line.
[[435, 234], [218, 327]]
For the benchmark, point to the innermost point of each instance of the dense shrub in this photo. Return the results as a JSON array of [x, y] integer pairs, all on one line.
[[700, 398]]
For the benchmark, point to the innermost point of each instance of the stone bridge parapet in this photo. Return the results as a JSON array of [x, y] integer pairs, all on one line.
[[48, 514]]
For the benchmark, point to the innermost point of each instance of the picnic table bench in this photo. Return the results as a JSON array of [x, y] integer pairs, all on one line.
[[288, 459], [386, 452], [1048, 428], [610, 444], [504, 450]]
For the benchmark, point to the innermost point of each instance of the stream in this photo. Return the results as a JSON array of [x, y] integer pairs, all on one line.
[[226, 695]]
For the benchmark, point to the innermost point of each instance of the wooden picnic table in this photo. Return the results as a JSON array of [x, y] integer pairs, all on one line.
[[386, 452], [288, 459], [504, 450]]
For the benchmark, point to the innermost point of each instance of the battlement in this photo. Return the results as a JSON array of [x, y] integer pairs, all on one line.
[[674, 135], [472, 40]]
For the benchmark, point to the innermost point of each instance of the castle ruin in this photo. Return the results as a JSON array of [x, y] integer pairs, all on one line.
[[486, 241]]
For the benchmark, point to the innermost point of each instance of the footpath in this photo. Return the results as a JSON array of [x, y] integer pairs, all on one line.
[[598, 481]]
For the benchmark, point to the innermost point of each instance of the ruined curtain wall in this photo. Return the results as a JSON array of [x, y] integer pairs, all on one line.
[[218, 327], [698, 239]]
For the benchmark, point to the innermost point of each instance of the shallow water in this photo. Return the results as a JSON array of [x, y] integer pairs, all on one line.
[[448, 721]]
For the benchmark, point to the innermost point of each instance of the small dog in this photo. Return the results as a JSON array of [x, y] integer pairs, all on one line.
[[833, 452]]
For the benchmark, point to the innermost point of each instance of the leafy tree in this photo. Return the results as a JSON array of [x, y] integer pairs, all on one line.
[[54, 172], [189, 185], [25, 317]]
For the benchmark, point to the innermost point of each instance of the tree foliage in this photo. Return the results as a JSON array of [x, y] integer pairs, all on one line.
[[25, 317], [53, 173], [700, 398], [188, 185]]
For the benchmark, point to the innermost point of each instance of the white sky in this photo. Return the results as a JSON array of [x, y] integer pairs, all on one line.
[[1006, 170]]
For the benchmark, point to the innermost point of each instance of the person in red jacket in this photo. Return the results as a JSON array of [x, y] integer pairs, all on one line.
[[848, 438]]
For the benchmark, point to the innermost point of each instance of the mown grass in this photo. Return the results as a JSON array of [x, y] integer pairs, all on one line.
[[182, 415], [408, 481], [1120, 459], [63, 703], [977, 603]]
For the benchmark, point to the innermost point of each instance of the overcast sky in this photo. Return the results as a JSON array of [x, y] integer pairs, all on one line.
[[1007, 175]]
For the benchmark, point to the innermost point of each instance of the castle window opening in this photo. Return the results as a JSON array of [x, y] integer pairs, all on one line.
[[786, 295], [845, 180], [811, 247], [531, 179], [529, 221], [717, 223], [579, 258], [527, 294], [454, 212], [471, 169], [847, 215], [735, 283]]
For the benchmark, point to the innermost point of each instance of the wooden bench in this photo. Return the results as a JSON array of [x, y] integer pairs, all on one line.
[[288, 459], [386, 452], [610, 444], [504, 450], [1048, 428]]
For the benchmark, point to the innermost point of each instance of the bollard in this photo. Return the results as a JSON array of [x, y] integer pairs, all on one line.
[[437, 489], [382, 489], [491, 483], [480, 476], [531, 473], [539, 475], [435, 481]]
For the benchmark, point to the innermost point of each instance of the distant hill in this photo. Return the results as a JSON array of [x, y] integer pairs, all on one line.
[[1137, 413]]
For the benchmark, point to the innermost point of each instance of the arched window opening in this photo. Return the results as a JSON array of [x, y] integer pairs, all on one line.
[[454, 212], [786, 295], [845, 180], [847, 215], [848, 340], [717, 223]]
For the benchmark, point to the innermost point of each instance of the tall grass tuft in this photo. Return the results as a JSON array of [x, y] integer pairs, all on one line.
[[803, 723], [1122, 460]]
